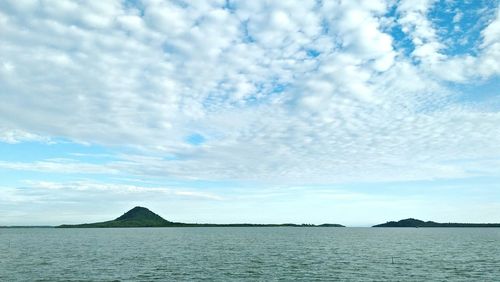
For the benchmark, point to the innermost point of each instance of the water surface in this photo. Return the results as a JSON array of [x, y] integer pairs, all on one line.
[[253, 253]]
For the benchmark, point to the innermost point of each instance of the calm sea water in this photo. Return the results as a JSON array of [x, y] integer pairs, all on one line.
[[263, 254]]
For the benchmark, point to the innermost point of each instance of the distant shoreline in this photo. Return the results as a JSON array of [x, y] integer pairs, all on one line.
[[28, 226], [416, 223], [189, 225], [139, 217], [459, 226]]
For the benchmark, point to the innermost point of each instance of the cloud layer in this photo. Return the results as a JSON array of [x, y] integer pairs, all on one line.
[[282, 92]]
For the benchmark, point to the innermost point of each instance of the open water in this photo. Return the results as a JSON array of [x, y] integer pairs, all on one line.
[[250, 254]]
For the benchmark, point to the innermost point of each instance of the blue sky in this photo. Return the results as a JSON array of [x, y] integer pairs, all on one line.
[[352, 112]]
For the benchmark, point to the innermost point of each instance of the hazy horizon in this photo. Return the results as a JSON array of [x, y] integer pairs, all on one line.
[[110, 218], [349, 112]]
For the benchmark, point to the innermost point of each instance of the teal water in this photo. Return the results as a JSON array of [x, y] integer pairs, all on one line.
[[253, 254]]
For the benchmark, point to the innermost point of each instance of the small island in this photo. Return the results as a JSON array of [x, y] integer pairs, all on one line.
[[143, 217], [411, 222]]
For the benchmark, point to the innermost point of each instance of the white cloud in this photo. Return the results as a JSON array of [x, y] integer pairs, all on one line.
[[430, 49], [120, 189], [13, 136], [282, 91], [414, 21], [60, 166]]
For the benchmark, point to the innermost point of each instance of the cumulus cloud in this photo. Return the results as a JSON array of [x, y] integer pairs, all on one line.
[[430, 49], [282, 91]]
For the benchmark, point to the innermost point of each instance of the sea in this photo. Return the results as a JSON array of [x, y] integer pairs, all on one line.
[[250, 254]]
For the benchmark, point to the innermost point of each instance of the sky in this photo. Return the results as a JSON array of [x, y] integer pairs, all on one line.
[[350, 112]]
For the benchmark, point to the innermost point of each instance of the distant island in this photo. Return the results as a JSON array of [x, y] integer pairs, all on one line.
[[143, 217], [411, 222], [27, 226]]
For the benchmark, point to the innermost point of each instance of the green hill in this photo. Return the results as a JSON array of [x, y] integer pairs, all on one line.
[[411, 222], [143, 217], [136, 217]]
